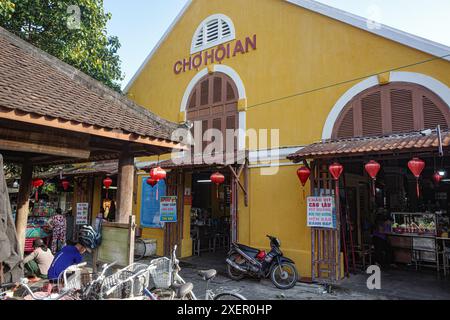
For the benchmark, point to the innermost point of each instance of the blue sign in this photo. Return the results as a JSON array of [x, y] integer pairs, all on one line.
[[150, 204]]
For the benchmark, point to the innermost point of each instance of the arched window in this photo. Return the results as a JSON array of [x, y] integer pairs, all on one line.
[[394, 108], [214, 101], [214, 30]]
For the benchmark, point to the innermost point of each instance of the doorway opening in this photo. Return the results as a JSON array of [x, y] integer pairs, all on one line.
[[211, 218]]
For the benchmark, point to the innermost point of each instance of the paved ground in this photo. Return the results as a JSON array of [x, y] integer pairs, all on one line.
[[396, 284]]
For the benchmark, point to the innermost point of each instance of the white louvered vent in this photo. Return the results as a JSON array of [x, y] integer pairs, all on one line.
[[214, 30]]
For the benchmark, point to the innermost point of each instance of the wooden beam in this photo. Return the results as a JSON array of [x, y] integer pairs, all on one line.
[[125, 187], [86, 128], [23, 204], [40, 148]]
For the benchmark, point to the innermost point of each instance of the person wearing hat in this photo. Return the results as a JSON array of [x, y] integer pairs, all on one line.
[[88, 239], [38, 262]]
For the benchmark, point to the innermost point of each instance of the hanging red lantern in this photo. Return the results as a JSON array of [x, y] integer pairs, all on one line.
[[37, 183], [336, 170], [65, 184], [158, 173], [303, 174], [152, 182], [437, 178], [416, 166], [218, 179], [373, 168], [107, 182]]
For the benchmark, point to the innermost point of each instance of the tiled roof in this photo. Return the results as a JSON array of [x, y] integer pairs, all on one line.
[[35, 82], [200, 160], [382, 144]]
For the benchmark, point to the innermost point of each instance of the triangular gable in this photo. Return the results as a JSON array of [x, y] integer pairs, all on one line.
[[405, 38]]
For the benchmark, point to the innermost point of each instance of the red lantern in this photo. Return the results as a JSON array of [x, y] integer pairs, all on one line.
[[107, 182], [416, 166], [336, 170], [303, 174], [372, 169], [437, 178], [158, 173], [218, 179], [65, 184], [152, 182], [36, 184]]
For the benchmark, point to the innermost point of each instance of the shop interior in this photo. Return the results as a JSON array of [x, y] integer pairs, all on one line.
[[412, 222], [210, 215]]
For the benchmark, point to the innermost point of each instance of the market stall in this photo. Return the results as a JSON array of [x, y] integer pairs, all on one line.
[[394, 188]]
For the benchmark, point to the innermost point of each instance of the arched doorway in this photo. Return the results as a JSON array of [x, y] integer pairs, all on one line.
[[213, 104]]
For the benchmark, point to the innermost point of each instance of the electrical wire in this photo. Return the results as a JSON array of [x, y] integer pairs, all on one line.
[[345, 82]]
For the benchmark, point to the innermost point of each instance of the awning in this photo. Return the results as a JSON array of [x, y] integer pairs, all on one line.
[[392, 144], [201, 161]]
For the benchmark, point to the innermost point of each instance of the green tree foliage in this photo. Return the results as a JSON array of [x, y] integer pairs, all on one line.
[[71, 30]]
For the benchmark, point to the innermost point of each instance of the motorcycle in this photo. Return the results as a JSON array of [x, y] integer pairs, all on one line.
[[243, 260]]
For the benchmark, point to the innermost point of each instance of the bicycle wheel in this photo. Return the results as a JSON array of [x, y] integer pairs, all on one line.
[[229, 296], [140, 249]]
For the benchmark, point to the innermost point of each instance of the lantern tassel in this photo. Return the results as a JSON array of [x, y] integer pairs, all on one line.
[[374, 187], [418, 189], [157, 193], [36, 196]]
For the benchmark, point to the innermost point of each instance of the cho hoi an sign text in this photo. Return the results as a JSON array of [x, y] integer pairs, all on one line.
[[321, 212], [215, 55]]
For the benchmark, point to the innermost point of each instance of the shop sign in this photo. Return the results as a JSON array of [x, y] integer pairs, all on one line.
[[82, 213], [215, 55], [168, 209], [321, 212]]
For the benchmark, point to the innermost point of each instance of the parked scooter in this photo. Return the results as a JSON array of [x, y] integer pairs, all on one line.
[[243, 260]]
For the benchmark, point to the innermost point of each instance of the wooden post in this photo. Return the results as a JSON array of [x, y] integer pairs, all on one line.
[[125, 187], [23, 203]]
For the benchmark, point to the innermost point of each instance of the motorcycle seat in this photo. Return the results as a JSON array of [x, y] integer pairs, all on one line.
[[181, 290], [249, 250], [207, 274]]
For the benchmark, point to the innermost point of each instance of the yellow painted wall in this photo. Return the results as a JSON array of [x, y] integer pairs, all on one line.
[[297, 51]]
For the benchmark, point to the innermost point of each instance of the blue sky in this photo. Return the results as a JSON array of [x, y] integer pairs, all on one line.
[[140, 24]]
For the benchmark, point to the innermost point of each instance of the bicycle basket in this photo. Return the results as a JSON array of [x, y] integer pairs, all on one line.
[[161, 276], [126, 283]]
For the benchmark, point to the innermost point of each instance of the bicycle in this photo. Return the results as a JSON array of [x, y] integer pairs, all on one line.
[[169, 285]]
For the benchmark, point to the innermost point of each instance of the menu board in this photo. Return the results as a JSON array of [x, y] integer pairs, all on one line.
[[168, 209], [82, 213], [321, 212]]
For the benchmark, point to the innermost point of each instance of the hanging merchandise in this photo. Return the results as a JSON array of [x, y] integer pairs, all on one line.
[[373, 168], [37, 183], [107, 182], [65, 184], [416, 166], [218, 179], [303, 174]]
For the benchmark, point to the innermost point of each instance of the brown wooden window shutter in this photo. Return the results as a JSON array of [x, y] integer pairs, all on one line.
[[393, 108], [217, 97], [230, 92], [402, 110], [204, 92], [371, 114]]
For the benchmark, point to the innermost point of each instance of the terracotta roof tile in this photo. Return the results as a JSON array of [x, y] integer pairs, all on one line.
[[35, 82], [365, 145]]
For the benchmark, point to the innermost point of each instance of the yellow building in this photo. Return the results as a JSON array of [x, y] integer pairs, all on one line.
[[291, 65]]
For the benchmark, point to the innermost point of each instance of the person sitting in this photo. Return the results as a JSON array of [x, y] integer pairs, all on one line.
[[88, 239], [39, 261], [383, 250]]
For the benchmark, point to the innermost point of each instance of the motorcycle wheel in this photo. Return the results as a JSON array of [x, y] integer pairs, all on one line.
[[232, 272], [284, 276]]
